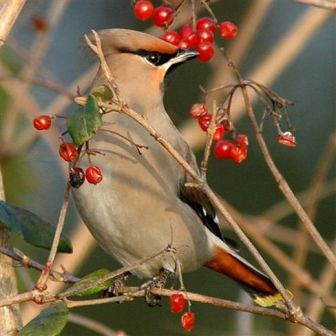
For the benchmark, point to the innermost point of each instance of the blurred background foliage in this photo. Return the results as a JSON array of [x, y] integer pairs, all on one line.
[[34, 176]]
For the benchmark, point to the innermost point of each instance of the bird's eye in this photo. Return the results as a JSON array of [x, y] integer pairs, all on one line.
[[154, 58]]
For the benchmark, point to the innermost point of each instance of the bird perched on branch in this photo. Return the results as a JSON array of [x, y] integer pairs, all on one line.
[[143, 204]]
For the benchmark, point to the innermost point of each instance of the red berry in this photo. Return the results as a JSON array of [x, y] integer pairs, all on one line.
[[93, 175], [204, 121], [222, 149], [40, 24], [186, 30], [171, 37], [241, 140], [228, 30], [189, 38], [206, 51], [238, 154], [205, 35], [219, 133], [197, 110], [183, 45], [68, 151], [43, 122], [177, 303], [287, 139], [192, 40], [162, 16], [143, 9], [206, 23], [76, 177], [188, 321]]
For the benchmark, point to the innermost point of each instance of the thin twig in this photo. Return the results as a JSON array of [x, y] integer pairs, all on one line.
[[271, 66], [130, 292], [41, 283], [91, 324], [45, 83], [322, 170], [283, 185], [210, 133], [114, 274], [25, 261], [142, 121], [39, 49], [299, 273], [316, 306]]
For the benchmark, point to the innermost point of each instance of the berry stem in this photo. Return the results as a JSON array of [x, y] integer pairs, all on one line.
[[87, 151], [211, 131], [193, 12], [182, 286], [208, 8]]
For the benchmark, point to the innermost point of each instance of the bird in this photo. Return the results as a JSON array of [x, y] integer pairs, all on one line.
[[144, 203]]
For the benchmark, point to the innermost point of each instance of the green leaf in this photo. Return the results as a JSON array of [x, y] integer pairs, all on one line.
[[81, 288], [32, 228], [103, 93], [50, 321], [85, 121]]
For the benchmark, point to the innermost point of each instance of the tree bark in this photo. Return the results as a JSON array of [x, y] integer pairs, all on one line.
[[10, 319]]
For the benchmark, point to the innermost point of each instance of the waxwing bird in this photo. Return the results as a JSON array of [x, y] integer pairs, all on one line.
[[142, 205]]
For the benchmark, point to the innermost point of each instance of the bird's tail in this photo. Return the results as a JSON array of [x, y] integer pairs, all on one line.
[[257, 284]]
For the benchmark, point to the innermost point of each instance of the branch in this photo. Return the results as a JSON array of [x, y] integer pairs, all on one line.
[[91, 324], [326, 4], [10, 317], [283, 185], [41, 283], [10, 12], [28, 262]]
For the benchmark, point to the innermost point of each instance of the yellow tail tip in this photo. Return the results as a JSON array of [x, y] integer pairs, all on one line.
[[276, 300]]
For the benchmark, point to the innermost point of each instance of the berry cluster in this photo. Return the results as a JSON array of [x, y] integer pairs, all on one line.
[[177, 304], [201, 36], [224, 148], [69, 153]]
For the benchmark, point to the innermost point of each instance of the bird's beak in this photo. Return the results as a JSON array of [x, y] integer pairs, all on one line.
[[184, 55]]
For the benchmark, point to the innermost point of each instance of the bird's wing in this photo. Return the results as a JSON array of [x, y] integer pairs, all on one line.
[[199, 201]]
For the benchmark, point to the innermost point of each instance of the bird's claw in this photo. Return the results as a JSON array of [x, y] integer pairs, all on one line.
[[118, 284], [158, 281]]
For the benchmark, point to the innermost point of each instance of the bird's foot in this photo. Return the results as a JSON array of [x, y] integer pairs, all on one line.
[[158, 281], [118, 285]]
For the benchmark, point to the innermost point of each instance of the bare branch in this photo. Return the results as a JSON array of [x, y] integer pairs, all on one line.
[[284, 187], [10, 11], [25, 261], [41, 283], [326, 4]]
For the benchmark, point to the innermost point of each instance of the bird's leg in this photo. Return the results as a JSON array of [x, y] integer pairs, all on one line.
[[158, 281], [118, 285]]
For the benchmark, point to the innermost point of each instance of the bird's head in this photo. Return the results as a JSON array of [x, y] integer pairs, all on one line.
[[139, 62]]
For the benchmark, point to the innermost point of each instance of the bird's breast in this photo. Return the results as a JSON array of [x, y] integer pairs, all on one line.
[[135, 211]]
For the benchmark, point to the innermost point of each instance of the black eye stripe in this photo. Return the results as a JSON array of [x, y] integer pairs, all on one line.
[[155, 57]]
